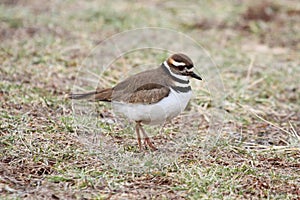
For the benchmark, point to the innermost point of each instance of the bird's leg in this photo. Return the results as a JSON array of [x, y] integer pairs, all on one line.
[[147, 139], [137, 130]]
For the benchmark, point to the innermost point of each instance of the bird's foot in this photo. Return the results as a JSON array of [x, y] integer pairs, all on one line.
[[149, 144]]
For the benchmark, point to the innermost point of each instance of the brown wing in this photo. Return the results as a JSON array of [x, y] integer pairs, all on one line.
[[143, 88], [149, 93]]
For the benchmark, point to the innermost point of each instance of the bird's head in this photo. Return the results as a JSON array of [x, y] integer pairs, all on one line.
[[182, 65]]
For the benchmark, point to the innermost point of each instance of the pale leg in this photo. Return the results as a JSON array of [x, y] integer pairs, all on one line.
[[147, 139], [137, 130]]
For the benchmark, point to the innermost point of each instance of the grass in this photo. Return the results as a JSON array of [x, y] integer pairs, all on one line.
[[252, 152]]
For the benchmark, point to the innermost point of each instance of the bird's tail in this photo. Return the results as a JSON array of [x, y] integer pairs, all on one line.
[[98, 95]]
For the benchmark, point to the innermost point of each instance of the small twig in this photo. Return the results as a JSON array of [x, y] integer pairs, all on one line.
[[295, 134], [259, 147], [255, 82], [250, 68]]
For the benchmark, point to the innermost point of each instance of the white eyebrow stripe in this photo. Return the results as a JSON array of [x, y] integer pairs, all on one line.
[[177, 63]]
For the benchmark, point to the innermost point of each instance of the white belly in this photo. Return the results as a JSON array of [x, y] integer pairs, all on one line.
[[156, 113]]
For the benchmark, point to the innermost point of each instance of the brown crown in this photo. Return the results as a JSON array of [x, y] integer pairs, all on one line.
[[180, 58]]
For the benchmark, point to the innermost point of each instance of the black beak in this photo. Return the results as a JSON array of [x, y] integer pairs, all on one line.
[[193, 75]]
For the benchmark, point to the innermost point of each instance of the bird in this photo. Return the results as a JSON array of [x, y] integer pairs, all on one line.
[[150, 97]]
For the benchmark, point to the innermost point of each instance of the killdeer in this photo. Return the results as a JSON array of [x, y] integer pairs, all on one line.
[[150, 97]]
